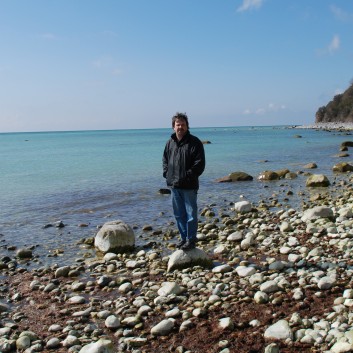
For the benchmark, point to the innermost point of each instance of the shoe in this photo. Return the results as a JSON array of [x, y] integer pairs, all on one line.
[[181, 243], [188, 245]]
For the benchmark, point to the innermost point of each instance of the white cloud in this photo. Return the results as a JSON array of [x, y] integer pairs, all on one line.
[[102, 62], [116, 72], [334, 44], [250, 5], [48, 36], [110, 34], [341, 15], [270, 108]]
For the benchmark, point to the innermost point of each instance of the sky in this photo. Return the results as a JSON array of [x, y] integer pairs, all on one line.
[[132, 64]]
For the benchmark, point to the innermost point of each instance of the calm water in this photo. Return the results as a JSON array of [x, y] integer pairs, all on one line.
[[95, 176]]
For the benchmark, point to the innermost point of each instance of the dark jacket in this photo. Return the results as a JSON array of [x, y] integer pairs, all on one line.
[[183, 161]]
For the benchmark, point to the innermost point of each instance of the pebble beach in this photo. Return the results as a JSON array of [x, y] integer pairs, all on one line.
[[280, 280]]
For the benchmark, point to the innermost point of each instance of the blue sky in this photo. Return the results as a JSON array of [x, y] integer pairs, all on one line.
[[117, 64]]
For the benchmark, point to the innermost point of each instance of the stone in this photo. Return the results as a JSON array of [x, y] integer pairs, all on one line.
[[286, 227], [181, 259], [226, 323], [245, 271], [317, 180], [235, 176], [222, 269], [163, 328], [342, 167], [23, 342], [272, 348], [235, 236], [115, 236], [326, 282], [268, 175], [261, 297], [242, 207], [269, 287], [53, 343], [280, 331], [62, 271], [4, 308], [24, 253], [101, 346], [310, 166], [317, 212], [169, 288], [342, 347], [112, 322]]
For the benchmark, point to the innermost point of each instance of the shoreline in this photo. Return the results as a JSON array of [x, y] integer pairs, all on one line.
[[270, 268], [328, 126], [280, 281]]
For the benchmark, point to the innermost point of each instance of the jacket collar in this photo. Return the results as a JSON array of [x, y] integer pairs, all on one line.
[[185, 137]]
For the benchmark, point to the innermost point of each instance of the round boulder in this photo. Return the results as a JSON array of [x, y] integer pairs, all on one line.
[[235, 176], [342, 167], [317, 180], [115, 236], [310, 166], [268, 175]]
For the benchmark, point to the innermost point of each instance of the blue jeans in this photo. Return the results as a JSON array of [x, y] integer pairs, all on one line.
[[185, 212]]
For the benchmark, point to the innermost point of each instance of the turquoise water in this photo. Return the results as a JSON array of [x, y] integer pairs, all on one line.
[[95, 176]]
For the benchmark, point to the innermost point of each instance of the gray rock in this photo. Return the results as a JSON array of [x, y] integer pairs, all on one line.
[[317, 180], [342, 347], [24, 253], [269, 287], [317, 212], [169, 288], [326, 282], [53, 343], [101, 346], [245, 271], [242, 207], [183, 259], [272, 348], [280, 330], [226, 323], [163, 328], [62, 271], [23, 342], [115, 236], [112, 322]]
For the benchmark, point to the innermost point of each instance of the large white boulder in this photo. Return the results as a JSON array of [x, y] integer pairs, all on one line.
[[115, 236], [183, 259], [242, 207], [279, 331], [317, 212]]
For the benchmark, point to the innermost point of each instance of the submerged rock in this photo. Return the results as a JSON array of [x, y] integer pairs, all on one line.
[[235, 176]]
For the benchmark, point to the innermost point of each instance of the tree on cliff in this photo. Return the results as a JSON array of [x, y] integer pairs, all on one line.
[[339, 110]]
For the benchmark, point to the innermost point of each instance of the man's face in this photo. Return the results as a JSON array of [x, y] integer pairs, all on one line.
[[180, 128]]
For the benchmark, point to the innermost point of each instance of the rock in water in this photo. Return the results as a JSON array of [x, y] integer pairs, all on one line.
[[317, 180]]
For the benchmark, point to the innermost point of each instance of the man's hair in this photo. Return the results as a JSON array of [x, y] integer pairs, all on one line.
[[181, 116]]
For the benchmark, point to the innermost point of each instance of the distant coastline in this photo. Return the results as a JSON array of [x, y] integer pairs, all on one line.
[[328, 126]]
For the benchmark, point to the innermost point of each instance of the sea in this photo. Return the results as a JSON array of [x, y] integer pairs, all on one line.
[[83, 179]]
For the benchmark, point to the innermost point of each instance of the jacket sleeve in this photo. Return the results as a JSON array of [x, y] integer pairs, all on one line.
[[199, 161], [165, 161]]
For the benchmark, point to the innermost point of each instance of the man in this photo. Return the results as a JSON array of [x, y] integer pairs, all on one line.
[[183, 163]]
